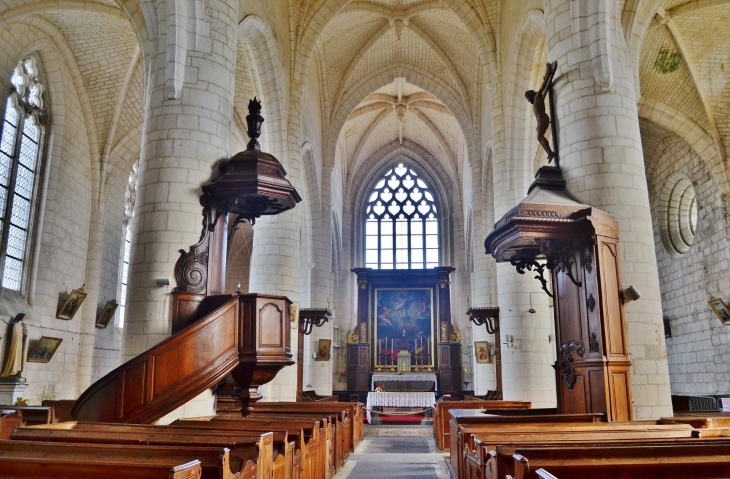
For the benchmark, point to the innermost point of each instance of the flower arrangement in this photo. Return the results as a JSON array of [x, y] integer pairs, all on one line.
[[379, 389], [21, 402]]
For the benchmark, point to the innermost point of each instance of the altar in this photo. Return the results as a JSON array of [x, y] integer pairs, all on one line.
[[399, 399], [405, 382]]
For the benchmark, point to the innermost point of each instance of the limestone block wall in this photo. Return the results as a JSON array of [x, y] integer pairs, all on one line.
[[63, 210], [697, 350]]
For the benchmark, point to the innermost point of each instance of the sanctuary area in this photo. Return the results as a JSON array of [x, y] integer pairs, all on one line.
[[283, 238]]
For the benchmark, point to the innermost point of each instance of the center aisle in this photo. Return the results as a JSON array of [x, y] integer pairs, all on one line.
[[396, 452]]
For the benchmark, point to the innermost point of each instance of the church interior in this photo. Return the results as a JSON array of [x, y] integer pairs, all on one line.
[[418, 210]]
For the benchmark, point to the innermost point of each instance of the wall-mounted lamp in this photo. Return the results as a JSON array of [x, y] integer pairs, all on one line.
[[630, 294], [162, 281], [314, 355], [532, 309], [509, 341]]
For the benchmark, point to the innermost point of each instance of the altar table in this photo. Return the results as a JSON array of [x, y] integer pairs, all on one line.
[[403, 377], [399, 399]]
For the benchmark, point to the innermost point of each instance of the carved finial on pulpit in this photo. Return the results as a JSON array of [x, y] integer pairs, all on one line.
[[254, 120]]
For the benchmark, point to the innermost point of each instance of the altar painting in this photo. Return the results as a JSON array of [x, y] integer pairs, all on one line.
[[403, 322]]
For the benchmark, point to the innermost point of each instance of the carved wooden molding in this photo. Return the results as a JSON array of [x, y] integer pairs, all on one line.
[[566, 359]]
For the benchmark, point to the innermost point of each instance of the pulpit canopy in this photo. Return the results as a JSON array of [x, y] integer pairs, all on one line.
[[252, 183], [548, 213]]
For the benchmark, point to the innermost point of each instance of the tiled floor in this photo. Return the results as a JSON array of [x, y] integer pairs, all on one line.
[[407, 452]]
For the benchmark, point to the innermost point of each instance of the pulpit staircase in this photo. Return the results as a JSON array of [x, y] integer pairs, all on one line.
[[245, 335]]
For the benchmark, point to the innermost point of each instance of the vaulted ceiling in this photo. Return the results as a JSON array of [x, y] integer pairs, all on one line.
[[399, 68]]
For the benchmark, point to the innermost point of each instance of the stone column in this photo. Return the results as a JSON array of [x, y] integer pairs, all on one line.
[[602, 162], [187, 129], [275, 270], [526, 362]]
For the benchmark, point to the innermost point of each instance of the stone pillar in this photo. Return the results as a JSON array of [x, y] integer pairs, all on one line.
[[527, 374], [602, 162], [526, 362], [275, 270], [187, 129]]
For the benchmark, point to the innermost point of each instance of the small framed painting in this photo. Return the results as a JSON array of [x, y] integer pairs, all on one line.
[[481, 351], [44, 349], [106, 314], [720, 309], [323, 350], [72, 304]]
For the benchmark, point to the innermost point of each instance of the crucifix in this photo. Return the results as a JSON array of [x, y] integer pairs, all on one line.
[[537, 100]]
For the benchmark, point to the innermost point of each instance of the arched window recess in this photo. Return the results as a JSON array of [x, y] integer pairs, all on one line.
[[401, 222], [21, 144]]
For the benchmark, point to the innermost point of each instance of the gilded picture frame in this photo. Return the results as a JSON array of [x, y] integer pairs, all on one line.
[[404, 320], [72, 304], [481, 352], [44, 349], [720, 309], [324, 348], [107, 313]]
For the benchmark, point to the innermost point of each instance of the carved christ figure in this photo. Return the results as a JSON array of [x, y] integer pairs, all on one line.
[[537, 99]]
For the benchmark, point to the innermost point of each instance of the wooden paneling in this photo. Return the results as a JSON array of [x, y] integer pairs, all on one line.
[[179, 368]]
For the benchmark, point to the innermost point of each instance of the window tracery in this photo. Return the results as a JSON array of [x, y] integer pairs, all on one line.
[[401, 225], [20, 151]]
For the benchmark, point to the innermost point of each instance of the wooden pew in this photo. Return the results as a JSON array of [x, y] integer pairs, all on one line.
[[305, 433], [441, 417], [306, 396], [336, 412], [700, 460], [325, 458], [484, 452], [61, 409], [8, 422], [355, 413], [33, 415], [34, 460], [464, 420], [333, 456], [254, 447]]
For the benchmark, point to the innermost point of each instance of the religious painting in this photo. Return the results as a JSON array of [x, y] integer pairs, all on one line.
[[44, 349], [481, 351], [720, 309], [72, 304], [403, 322], [323, 350], [106, 314]]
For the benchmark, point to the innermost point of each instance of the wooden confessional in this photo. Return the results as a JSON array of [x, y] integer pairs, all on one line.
[[579, 246], [244, 338]]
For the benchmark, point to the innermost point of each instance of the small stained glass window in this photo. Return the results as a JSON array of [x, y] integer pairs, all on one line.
[[401, 222], [129, 199], [20, 150]]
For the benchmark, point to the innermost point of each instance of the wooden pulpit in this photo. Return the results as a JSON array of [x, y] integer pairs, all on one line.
[[549, 232]]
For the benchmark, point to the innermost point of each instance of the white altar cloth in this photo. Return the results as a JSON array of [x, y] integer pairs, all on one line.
[[399, 399], [404, 377]]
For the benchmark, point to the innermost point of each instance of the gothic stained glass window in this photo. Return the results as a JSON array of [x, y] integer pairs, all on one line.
[[401, 222], [20, 150], [129, 199]]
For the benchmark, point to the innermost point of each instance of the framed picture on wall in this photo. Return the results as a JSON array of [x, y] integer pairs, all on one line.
[[106, 314], [323, 350], [481, 351], [44, 349], [72, 304], [720, 309]]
